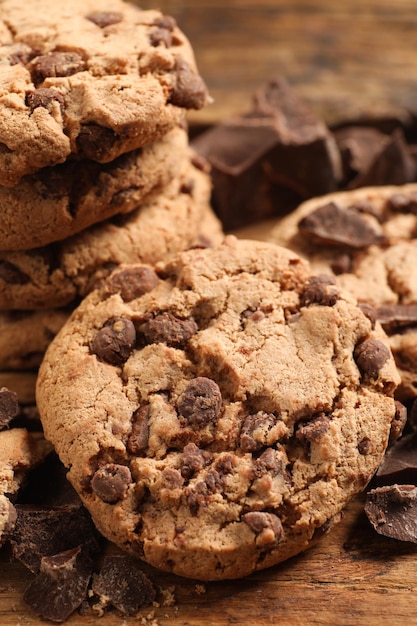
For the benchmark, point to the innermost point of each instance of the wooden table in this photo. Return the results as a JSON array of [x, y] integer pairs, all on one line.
[[350, 60]]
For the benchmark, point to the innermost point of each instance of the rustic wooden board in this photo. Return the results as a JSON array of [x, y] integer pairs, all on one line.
[[350, 60]]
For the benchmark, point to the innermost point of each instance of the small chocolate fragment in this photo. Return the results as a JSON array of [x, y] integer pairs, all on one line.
[[370, 312], [336, 225], [56, 64], [313, 430], [138, 439], [394, 316], [104, 18], [321, 290], [398, 422], [111, 482], [114, 342], [266, 526], [189, 91], [123, 584], [61, 585], [403, 203], [43, 97], [193, 460], [169, 329], [255, 429], [370, 356], [9, 406], [392, 511], [43, 531], [201, 402], [132, 282], [400, 461], [94, 142]]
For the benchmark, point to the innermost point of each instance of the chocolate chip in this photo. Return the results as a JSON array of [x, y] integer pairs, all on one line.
[[392, 511], [138, 439], [267, 526], [193, 460], [169, 329], [9, 406], [196, 496], [132, 282], [114, 342], [94, 142], [189, 91], [61, 586], [111, 482], [255, 430], [201, 402], [370, 356], [43, 97], [56, 64], [321, 290], [370, 312], [171, 479], [398, 422], [364, 446], [104, 18], [12, 275], [159, 35], [44, 530], [341, 264], [313, 430], [403, 203], [123, 584], [335, 225]]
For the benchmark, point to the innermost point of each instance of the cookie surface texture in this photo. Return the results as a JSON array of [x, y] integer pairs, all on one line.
[[88, 78], [224, 408], [55, 275], [367, 239]]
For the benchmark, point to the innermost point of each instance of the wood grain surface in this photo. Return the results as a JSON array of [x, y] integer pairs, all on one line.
[[350, 60]]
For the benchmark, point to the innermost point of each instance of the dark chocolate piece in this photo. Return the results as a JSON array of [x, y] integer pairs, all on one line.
[[370, 356], [392, 511], [132, 282], [43, 531], [201, 402], [169, 329], [9, 406], [320, 290], [190, 91], [111, 482], [123, 584], [115, 341], [61, 585], [396, 316], [400, 461]]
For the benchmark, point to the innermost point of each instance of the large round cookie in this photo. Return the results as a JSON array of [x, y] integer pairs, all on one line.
[[367, 239], [217, 414], [90, 78], [59, 201], [56, 275]]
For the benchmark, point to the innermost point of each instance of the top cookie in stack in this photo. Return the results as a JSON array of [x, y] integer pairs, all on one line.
[[95, 163]]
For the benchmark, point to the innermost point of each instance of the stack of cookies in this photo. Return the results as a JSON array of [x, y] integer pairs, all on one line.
[[95, 164]]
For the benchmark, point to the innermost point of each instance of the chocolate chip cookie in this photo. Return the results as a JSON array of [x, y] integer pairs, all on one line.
[[60, 201], [55, 275], [217, 411], [88, 79], [367, 239]]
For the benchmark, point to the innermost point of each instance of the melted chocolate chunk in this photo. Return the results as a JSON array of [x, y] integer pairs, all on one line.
[[266, 526], [392, 511], [138, 438], [104, 18], [321, 290], [9, 406], [339, 226], [44, 530], [370, 356], [61, 585], [111, 482], [114, 342], [313, 430], [255, 430], [201, 402], [43, 97], [56, 64], [12, 275], [169, 329], [189, 91], [94, 142], [193, 460], [123, 584], [132, 282]]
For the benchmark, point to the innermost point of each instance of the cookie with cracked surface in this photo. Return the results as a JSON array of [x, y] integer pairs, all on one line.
[[56, 275], [224, 408], [367, 239], [20, 451], [89, 79], [62, 200]]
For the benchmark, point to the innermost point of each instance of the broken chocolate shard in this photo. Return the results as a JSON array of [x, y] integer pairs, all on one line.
[[9, 406], [123, 584], [337, 225], [400, 461], [61, 585], [392, 511], [42, 531], [395, 316]]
